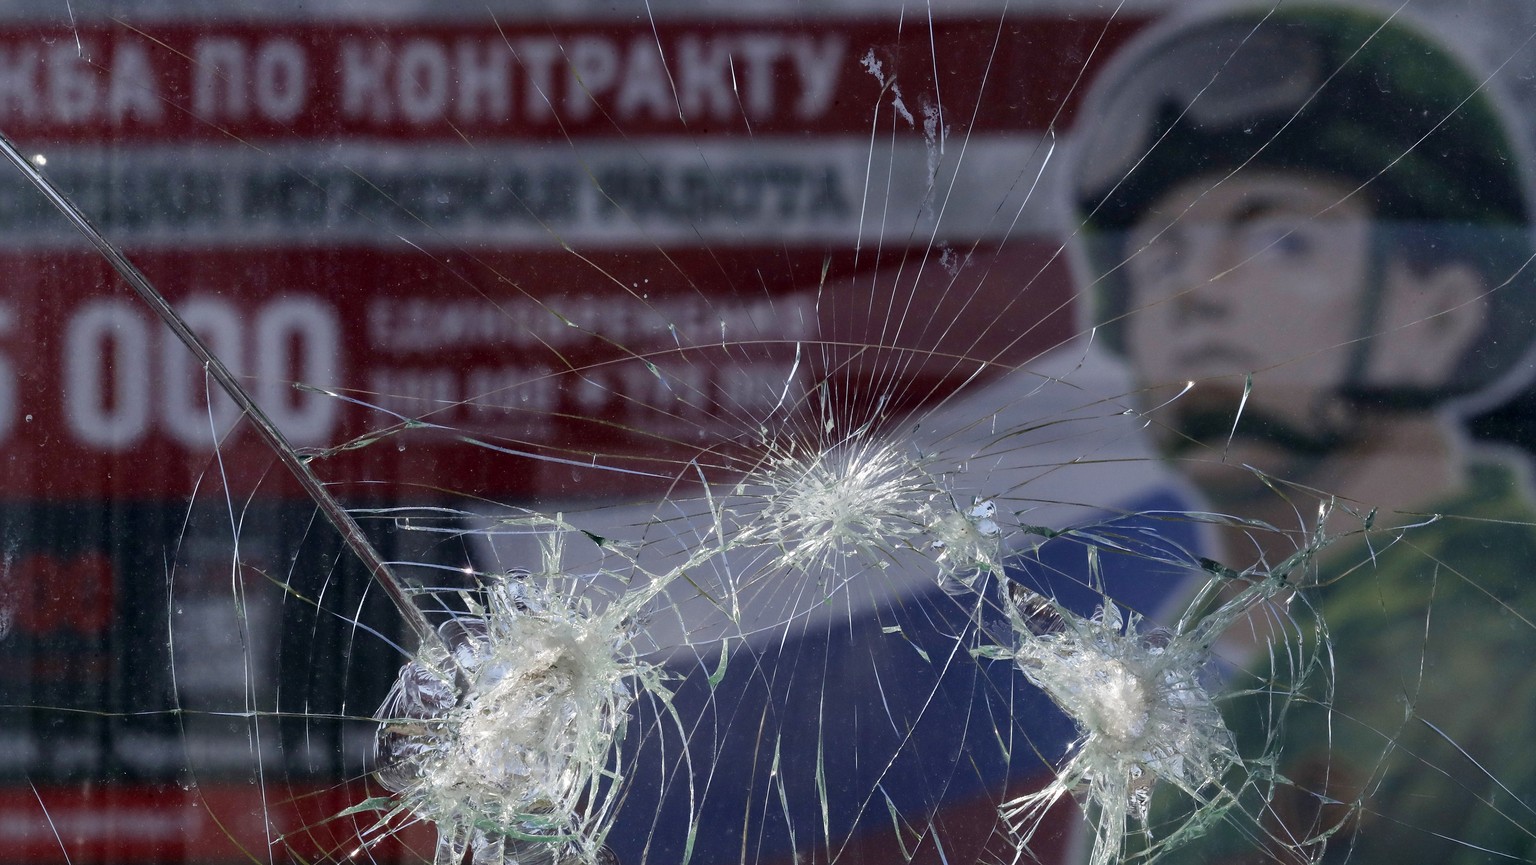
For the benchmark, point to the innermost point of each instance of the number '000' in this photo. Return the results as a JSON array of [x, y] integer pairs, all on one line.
[[125, 375]]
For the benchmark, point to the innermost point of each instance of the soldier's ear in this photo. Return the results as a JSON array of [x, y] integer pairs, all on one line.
[[1427, 321]]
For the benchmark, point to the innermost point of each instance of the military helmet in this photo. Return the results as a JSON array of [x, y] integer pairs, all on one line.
[[1340, 92]]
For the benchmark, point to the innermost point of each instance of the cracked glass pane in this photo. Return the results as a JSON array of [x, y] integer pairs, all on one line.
[[661, 432]]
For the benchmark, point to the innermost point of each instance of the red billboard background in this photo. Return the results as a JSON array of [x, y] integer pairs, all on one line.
[[428, 247]]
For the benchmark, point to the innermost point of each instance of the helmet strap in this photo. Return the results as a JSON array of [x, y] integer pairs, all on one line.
[[1367, 315], [1355, 390]]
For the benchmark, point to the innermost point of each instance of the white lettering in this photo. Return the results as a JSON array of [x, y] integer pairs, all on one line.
[[616, 389], [644, 86], [700, 77], [18, 81], [537, 57], [195, 414], [298, 340], [281, 80], [818, 66], [428, 394], [492, 391], [114, 370], [72, 85], [704, 79], [762, 385], [594, 66], [218, 79], [106, 374], [133, 92], [485, 81], [760, 53], [590, 395], [415, 325], [364, 88], [421, 82]]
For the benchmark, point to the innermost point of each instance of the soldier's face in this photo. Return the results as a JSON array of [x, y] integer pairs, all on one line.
[[1260, 274]]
